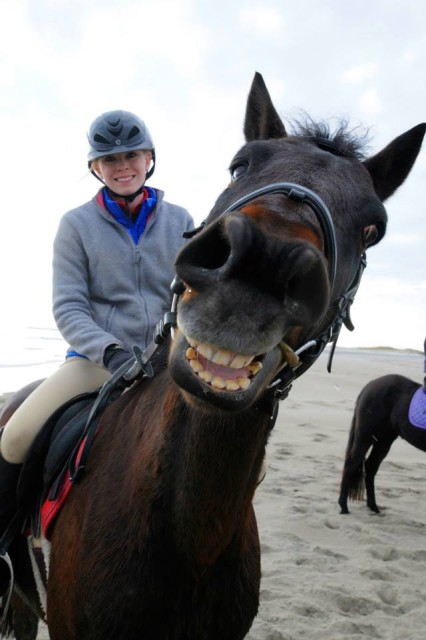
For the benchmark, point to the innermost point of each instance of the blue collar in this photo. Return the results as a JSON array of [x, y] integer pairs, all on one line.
[[136, 228]]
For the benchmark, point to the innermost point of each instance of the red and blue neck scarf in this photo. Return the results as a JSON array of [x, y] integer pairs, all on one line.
[[134, 227]]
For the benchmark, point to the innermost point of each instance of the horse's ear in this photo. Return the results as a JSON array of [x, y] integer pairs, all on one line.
[[391, 166], [262, 121]]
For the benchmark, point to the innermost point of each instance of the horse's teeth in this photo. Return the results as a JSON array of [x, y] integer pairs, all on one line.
[[205, 350], [240, 361], [290, 356], [196, 365], [232, 385], [222, 357], [218, 383], [244, 382], [255, 367]]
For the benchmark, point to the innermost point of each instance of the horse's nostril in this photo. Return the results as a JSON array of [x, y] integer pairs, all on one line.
[[307, 289], [203, 256], [302, 261]]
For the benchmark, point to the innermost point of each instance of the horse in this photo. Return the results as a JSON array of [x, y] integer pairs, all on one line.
[[381, 415], [158, 539]]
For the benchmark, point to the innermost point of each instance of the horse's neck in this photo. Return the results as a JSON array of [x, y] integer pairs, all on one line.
[[217, 460], [195, 471]]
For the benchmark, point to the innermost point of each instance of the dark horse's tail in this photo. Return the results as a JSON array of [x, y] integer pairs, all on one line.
[[353, 480]]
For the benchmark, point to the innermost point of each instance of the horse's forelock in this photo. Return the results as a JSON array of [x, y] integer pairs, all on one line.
[[351, 143]]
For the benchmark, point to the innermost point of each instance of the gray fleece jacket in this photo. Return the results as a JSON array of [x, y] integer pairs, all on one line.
[[107, 289]]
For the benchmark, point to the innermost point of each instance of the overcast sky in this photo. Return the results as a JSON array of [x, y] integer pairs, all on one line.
[[185, 66]]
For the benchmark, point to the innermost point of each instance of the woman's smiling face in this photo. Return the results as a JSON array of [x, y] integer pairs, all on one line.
[[124, 173]]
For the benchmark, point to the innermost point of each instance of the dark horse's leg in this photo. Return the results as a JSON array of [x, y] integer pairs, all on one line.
[[371, 427], [352, 484], [378, 453], [359, 442]]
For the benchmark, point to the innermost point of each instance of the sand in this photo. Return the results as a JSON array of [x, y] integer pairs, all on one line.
[[327, 576]]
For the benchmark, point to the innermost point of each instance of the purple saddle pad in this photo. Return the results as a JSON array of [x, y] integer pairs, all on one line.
[[417, 410]]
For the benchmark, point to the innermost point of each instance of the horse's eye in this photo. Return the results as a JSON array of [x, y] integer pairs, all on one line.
[[371, 235], [237, 171]]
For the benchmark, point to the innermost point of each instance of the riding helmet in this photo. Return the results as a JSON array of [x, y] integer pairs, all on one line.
[[118, 131]]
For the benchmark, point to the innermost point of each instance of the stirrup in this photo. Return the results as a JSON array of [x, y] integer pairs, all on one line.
[[5, 598]]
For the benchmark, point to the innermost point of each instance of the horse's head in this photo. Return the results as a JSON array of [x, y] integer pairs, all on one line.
[[277, 266]]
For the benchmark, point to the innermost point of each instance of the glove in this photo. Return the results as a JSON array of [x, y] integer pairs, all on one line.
[[115, 356]]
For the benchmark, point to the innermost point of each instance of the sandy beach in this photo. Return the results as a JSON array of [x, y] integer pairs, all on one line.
[[328, 576]]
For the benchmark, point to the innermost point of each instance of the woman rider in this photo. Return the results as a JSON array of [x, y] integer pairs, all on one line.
[[112, 267]]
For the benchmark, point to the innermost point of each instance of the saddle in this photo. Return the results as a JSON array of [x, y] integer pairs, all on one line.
[[59, 452], [417, 409], [54, 461]]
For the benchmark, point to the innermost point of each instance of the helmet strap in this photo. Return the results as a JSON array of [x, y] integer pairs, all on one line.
[[128, 198]]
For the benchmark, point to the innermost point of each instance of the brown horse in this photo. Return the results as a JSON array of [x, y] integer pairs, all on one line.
[[159, 539], [380, 416]]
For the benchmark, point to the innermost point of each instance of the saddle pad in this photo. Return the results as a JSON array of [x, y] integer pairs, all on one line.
[[51, 506], [417, 410]]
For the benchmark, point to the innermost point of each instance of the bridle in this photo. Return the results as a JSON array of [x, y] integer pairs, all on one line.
[[314, 346]]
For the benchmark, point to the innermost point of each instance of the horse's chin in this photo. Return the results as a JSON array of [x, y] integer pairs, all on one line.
[[233, 390]]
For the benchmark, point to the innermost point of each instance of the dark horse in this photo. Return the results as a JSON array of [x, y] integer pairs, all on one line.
[[159, 538], [380, 416]]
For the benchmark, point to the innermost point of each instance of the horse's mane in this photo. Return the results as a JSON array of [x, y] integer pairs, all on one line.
[[343, 141]]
